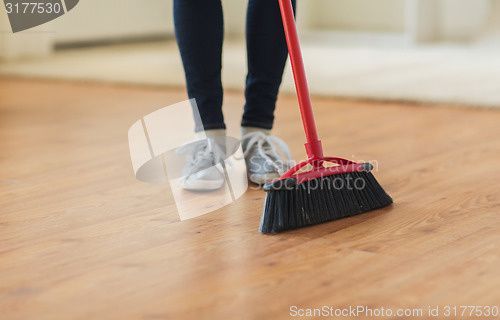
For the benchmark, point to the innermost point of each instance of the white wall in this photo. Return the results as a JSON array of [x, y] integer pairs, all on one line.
[[90, 20], [94, 20], [440, 20], [33, 42], [358, 15], [234, 17], [490, 33], [460, 20]]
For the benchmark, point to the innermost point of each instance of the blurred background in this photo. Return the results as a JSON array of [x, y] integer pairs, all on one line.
[[438, 51]]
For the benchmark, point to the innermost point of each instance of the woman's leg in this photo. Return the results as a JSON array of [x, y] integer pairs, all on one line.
[[199, 29], [267, 53]]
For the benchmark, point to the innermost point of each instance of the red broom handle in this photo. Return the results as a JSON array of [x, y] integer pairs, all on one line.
[[313, 145]]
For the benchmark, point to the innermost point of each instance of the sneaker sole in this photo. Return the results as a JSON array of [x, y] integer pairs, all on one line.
[[261, 179], [202, 185]]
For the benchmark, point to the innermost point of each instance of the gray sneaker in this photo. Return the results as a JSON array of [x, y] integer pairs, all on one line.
[[203, 170], [264, 163]]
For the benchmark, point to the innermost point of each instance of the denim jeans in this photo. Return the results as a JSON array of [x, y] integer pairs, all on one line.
[[199, 30]]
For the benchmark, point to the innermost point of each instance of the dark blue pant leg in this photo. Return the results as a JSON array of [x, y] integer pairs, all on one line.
[[199, 30]]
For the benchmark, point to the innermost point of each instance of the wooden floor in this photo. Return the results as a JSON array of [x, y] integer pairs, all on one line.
[[80, 238]]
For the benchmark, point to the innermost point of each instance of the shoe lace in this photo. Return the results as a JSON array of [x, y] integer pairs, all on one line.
[[266, 148], [198, 152]]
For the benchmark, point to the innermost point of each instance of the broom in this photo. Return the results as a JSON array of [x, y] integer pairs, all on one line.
[[334, 188]]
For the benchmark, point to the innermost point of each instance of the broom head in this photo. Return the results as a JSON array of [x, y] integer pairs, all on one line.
[[327, 192]]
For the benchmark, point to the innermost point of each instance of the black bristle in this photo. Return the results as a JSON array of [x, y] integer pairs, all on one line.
[[320, 200]]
